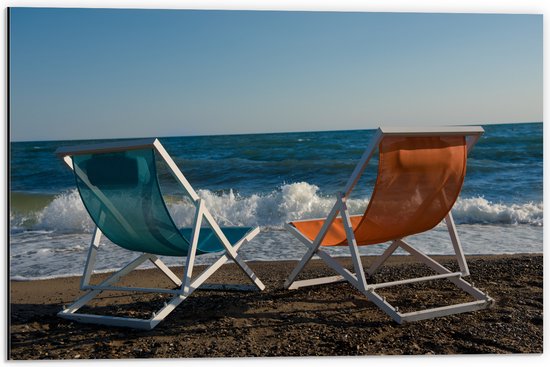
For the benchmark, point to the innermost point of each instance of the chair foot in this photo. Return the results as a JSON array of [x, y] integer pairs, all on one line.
[[230, 287]]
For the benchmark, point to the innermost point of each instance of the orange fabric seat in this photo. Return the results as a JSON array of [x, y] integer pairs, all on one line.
[[418, 182]]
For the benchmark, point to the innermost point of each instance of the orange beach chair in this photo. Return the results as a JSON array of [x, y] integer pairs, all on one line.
[[420, 175]]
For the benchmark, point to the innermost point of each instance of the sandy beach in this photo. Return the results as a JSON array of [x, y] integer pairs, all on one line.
[[316, 321]]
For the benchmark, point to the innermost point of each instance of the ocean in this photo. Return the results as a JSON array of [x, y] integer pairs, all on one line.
[[270, 179]]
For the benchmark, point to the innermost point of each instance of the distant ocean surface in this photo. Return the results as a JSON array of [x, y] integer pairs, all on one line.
[[270, 179]]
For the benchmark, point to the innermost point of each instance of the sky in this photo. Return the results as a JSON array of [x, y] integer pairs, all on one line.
[[110, 73]]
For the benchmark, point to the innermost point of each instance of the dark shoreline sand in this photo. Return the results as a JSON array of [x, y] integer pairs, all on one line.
[[318, 321]]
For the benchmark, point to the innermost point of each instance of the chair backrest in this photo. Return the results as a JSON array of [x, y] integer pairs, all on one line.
[[419, 180], [420, 175], [120, 191], [119, 187]]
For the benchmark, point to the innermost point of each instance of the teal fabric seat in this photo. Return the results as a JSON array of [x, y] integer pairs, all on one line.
[[208, 242], [121, 192]]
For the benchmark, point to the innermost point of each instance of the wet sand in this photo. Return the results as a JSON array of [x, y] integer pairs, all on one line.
[[317, 321]]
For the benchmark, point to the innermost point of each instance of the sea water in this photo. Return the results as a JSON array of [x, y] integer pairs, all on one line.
[[266, 180]]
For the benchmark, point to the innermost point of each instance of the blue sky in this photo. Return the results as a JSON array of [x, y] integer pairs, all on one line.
[[106, 73]]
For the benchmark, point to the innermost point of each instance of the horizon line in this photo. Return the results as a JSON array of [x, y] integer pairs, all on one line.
[[262, 133]]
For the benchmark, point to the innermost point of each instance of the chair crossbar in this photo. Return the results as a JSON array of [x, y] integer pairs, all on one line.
[[413, 280], [228, 287], [131, 289], [317, 281], [107, 320], [444, 311]]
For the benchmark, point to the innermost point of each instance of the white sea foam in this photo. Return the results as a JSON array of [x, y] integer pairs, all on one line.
[[56, 244], [482, 211], [66, 213], [289, 202], [270, 245]]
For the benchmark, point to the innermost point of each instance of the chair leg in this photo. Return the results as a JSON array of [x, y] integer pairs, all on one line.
[[482, 300], [312, 246], [345, 274], [380, 260], [298, 269], [179, 296], [199, 280], [354, 251], [230, 250], [90, 259], [190, 260], [166, 270], [461, 259], [71, 311], [437, 267], [246, 269]]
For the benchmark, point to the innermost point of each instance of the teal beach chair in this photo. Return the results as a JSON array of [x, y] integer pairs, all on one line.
[[119, 187]]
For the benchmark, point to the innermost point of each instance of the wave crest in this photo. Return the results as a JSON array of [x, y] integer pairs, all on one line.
[[481, 211], [66, 213]]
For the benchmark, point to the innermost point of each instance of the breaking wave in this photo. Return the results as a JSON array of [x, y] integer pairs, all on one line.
[[66, 213]]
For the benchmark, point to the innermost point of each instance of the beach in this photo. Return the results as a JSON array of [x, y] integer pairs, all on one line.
[[328, 320]]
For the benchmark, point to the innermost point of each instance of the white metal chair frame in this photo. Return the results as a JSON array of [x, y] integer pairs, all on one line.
[[187, 285], [358, 279]]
